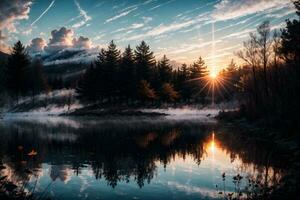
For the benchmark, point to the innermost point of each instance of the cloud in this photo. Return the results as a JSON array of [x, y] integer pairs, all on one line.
[[122, 14], [82, 42], [147, 19], [190, 47], [36, 46], [72, 55], [231, 9], [239, 34], [130, 28], [3, 47], [148, 1], [83, 15], [60, 39], [64, 39], [2, 37], [43, 13], [12, 11], [63, 47], [162, 28], [160, 5]]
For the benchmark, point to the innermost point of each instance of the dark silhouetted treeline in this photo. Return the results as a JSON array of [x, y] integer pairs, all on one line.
[[21, 75], [134, 76], [268, 82]]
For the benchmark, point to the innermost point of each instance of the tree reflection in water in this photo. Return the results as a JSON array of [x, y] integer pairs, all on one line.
[[121, 153]]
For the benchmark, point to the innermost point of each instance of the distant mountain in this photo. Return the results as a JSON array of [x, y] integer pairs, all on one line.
[[68, 64], [68, 56]]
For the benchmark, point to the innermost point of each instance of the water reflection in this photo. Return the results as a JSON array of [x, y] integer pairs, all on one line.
[[173, 159]]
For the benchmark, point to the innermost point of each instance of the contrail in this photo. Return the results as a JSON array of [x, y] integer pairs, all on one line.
[[35, 21]]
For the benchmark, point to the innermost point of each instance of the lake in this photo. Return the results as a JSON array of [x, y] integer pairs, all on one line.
[[85, 158]]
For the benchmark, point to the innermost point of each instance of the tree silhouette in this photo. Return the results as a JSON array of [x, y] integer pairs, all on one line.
[[146, 93], [168, 93], [145, 61], [128, 79], [16, 70], [182, 83], [264, 41], [164, 70], [198, 72], [111, 70], [86, 87], [36, 81]]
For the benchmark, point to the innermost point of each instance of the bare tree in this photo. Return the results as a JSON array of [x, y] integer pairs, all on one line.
[[264, 43], [276, 45], [250, 55]]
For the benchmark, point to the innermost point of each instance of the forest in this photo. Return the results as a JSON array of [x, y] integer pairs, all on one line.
[[265, 84], [126, 123]]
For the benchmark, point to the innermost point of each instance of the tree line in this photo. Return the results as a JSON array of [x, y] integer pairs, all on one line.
[[268, 81], [21, 75], [135, 76], [131, 77]]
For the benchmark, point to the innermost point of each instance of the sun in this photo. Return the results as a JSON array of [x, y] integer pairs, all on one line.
[[213, 75]]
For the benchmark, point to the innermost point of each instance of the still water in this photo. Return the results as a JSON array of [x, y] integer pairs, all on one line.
[[64, 158]]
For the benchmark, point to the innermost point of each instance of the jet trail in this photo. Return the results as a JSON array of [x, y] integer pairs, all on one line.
[[45, 11]]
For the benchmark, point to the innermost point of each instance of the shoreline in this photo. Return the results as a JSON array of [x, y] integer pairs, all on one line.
[[180, 114]]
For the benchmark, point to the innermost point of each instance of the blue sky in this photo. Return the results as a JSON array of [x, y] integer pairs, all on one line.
[[181, 29]]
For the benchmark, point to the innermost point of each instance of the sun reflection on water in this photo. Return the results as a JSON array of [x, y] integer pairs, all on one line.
[[212, 144]]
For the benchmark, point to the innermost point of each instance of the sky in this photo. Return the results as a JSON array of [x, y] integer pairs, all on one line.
[[181, 29]]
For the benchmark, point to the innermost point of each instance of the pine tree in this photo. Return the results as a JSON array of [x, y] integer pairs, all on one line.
[[168, 93], [164, 70], [127, 77], [86, 87], [99, 77], [145, 62], [17, 67], [290, 50], [182, 83], [111, 70], [37, 81], [146, 92], [198, 73], [231, 78]]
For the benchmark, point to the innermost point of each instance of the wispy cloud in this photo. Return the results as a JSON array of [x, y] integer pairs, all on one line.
[[99, 36], [149, 1], [239, 34], [160, 5], [122, 14], [11, 12], [131, 27], [190, 47], [147, 19], [162, 28], [43, 13], [231, 9], [83, 15]]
